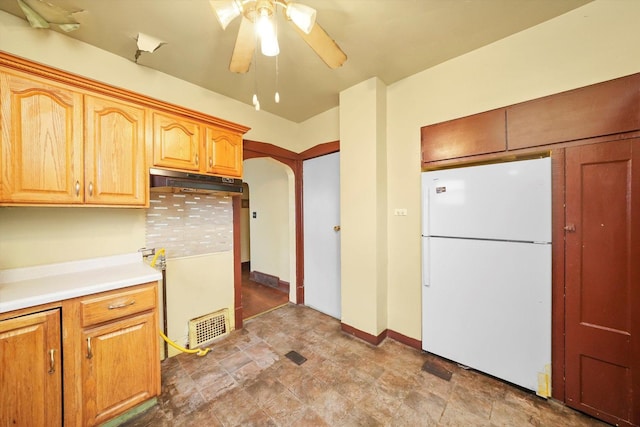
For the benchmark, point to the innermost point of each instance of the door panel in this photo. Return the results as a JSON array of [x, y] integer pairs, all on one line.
[[31, 374], [321, 207], [602, 280], [487, 305]]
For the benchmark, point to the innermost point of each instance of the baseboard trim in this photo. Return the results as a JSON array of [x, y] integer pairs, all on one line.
[[411, 342], [264, 278], [283, 286], [387, 333], [365, 336]]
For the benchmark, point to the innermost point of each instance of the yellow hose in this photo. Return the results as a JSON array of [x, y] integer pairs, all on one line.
[[198, 351], [155, 257]]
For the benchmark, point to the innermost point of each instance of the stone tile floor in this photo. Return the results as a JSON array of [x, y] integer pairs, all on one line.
[[246, 381]]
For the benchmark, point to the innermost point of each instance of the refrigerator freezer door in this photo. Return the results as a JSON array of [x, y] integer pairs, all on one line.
[[504, 201], [488, 306]]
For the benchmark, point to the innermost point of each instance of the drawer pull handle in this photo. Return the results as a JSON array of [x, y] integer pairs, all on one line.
[[123, 305], [52, 361], [89, 351]]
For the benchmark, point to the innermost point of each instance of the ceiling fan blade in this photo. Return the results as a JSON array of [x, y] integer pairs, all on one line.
[[326, 48], [243, 50]]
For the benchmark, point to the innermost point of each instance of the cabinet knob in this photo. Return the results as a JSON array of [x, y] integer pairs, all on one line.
[[197, 160], [91, 189], [210, 161], [89, 351], [77, 188]]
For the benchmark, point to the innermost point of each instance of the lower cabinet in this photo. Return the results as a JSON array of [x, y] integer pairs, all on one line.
[[109, 358], [119, 369], [31, 377]]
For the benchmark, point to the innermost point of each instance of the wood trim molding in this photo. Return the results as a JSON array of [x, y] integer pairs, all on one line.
[[558, 184], [11, 62], [365, 336], [252, 149], [320, 150], [403, 339], [237, 264], [377, 340], [256, 149], [299, 234], [284, 286]]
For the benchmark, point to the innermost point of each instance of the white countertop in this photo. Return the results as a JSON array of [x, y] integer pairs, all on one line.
[[31, 286]]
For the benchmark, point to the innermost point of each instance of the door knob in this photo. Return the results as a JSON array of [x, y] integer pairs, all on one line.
[[570, 228], [336, 228]]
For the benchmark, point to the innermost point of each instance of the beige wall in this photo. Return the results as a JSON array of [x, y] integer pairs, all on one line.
[[271, 230], [245, 230], [363, 206], [197, 286], [51, 48], [594, 43], [32, 236]]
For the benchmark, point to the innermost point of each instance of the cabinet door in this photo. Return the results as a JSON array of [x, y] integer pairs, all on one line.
[[115, 171], [224, 153], [176, 142], [467, 136], [30, 378], [121, 367], [41, 156]]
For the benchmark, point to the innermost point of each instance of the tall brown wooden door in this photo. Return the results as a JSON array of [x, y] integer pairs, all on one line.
[[602, 352]]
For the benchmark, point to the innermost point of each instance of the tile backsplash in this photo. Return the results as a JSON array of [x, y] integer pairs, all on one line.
[[189, 224]]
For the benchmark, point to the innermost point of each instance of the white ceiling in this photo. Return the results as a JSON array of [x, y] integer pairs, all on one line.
[[390, 39]]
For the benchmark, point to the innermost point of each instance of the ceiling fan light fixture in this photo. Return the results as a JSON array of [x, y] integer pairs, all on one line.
[[267, 33], [226, 11], [303, 16]]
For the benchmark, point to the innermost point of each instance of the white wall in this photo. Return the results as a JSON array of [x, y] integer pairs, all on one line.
[[597, 42]]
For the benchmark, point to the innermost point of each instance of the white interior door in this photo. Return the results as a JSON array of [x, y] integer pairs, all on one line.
[[321, 205]]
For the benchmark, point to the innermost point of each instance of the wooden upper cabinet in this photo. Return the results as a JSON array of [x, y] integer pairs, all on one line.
[[468, 136], [41, 146], [176, 142], [115, 161], [223, 152], [601, 109]]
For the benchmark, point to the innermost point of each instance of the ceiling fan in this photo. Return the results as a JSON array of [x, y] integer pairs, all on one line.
[[258, 21]]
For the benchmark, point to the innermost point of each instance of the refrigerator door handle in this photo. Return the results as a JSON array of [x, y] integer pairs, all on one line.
[[426, 256]]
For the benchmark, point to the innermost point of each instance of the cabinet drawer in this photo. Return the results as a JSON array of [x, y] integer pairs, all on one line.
[[114, 305]]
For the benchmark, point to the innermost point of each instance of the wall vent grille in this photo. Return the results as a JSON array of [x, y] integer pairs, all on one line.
[[207, 328]]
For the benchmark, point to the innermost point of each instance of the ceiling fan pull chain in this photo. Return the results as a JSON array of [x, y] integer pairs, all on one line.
[[277, 95]]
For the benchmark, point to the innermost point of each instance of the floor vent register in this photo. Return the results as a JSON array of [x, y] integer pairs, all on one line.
[[208, 328]]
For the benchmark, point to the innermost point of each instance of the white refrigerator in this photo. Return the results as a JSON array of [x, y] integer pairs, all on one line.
[[486, 267]]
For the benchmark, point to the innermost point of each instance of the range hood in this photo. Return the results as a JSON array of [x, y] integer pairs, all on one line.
[[168, 181]]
